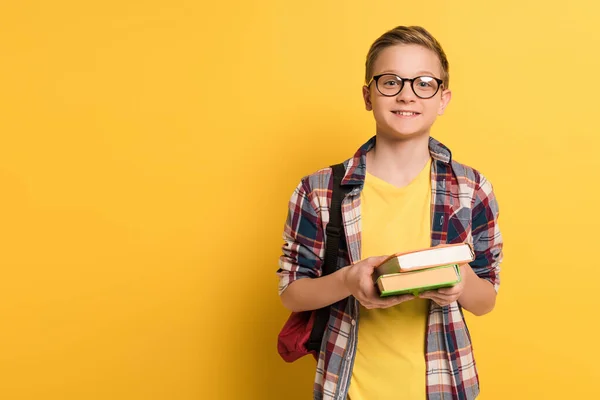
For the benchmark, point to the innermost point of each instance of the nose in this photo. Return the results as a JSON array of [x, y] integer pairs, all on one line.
[[406, 94]]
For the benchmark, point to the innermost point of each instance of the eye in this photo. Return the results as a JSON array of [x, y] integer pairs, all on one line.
[[425, 82]]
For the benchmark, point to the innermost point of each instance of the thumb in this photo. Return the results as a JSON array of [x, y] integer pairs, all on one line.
[[376, 261]]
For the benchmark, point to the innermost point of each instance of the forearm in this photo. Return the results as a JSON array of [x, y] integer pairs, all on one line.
[[478, 296], [311, 294]]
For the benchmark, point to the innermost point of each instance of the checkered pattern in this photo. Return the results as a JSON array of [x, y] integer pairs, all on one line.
[[464, 209]]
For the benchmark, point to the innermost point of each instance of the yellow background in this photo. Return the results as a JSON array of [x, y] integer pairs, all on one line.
[[148, 151]]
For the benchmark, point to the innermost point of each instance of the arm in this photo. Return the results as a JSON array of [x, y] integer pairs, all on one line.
[[483, 274], [478, 295], [481, 278], [311, 294], [302, 257], [303, 246], [355, 280]]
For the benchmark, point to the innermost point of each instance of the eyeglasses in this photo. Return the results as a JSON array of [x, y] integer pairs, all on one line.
[[425, 87]]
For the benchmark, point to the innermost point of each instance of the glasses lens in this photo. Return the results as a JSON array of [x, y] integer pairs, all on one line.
[[389, 85], [425, 86]]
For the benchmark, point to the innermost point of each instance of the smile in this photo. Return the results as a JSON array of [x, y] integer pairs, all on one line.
[[406, 113]]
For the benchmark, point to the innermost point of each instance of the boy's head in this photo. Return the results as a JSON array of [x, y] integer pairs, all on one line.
[[406, 81], [407, 35]]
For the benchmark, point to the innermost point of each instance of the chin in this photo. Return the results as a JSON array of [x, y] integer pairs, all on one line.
[[404, 134]]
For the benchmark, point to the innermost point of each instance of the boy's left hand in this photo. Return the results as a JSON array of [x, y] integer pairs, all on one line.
[[446, 296]]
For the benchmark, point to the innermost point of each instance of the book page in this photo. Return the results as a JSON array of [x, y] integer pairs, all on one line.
[[419, 279], [436, 256]]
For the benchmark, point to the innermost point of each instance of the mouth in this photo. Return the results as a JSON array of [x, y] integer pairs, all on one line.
[[406, 114]]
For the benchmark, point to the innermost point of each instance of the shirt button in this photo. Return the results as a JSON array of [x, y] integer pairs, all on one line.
[[353, 322]]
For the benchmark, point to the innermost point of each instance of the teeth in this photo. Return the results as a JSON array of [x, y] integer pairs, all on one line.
[[406, 114]]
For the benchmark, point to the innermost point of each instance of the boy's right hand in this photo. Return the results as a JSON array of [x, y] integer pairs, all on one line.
[[358, 280]]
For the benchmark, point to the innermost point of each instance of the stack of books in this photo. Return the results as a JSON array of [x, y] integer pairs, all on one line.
[[417, 271]]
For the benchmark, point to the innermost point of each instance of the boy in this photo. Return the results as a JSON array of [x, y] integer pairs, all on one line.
[[406, 193]]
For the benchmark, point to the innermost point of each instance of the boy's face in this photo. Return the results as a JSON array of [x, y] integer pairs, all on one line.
[[406, 61]]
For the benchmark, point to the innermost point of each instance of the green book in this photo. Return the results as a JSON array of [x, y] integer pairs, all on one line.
[[420, 270], [416, 282]]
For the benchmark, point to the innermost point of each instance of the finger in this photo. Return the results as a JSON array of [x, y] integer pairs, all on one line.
[[434, 296], [368, 291], [376, 301], [437, 293], [364, 301], [437, 297], [368, 298], [436, 300], [390, 301], [450, 290], [371, 305], [376, 260], [404, 297], [395, 300]]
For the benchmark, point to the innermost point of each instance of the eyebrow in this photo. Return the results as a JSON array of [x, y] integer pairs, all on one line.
[[417, 74]]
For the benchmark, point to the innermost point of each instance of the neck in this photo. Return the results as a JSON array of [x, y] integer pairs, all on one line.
[[398, 161]]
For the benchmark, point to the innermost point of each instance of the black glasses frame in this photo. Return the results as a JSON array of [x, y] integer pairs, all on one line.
[[402, 80]]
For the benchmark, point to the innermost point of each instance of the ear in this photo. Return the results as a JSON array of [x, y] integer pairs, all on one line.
[[367, 97], [446, 96]]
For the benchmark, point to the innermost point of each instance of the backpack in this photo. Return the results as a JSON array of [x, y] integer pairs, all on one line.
[[302, 333]]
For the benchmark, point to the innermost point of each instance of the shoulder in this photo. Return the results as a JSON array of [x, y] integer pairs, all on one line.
[[314, 189], [317, 186], [473, 184], [469, 177], [317, 180], [466, 177]]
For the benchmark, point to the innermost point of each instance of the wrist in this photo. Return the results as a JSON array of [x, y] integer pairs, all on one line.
[[343, 279]]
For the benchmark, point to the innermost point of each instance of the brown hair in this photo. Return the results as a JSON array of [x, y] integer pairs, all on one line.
[[407, 35]]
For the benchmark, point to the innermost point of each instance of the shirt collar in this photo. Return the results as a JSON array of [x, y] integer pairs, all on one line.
[[357, 165]]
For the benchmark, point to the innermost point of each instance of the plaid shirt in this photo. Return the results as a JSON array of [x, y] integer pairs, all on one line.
[[464, 209]]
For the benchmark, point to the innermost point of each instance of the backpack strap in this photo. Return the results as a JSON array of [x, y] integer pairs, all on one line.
[[334, 227], [334, 231]]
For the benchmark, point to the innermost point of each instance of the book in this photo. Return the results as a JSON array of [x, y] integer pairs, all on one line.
[[420, 270], [418, 281]]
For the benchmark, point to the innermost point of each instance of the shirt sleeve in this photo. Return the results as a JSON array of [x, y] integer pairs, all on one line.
[[303, 239], [487, 239]]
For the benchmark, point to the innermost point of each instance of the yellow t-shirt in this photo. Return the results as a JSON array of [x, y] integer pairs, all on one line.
[[390, 358]]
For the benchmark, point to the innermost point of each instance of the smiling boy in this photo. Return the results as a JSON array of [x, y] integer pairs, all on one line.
[[407, 193]]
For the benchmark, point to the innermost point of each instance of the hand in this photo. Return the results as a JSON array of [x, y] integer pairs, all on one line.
[[358, 280], [446, 296]]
